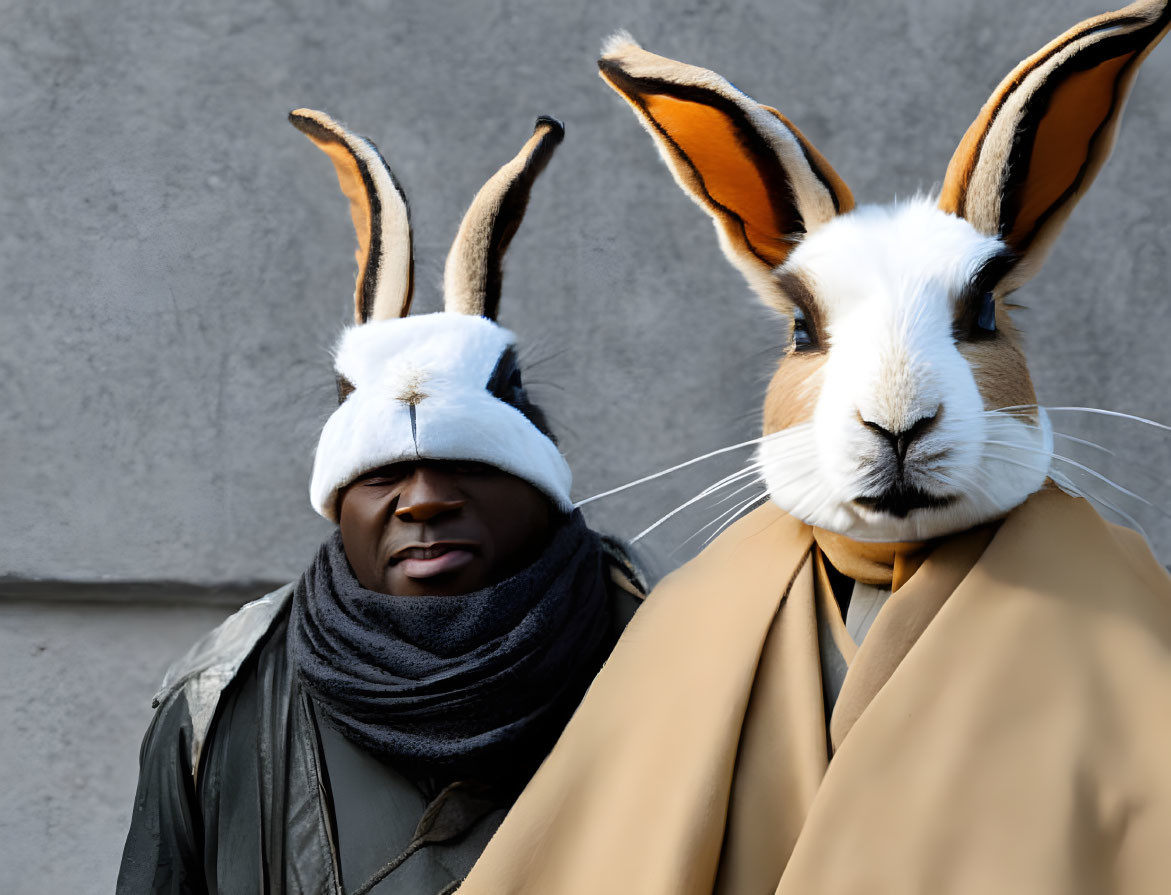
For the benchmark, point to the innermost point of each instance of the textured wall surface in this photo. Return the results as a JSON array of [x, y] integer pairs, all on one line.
[[176, 262], [177, 259], [78, 680]]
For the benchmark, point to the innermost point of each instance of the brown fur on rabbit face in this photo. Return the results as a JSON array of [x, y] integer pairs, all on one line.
[[903, 407]]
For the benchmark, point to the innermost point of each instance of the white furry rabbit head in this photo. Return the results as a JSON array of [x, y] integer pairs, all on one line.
[[903, 364], [444, 386]]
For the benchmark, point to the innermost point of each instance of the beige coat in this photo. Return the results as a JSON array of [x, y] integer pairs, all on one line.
[[1004, 728]]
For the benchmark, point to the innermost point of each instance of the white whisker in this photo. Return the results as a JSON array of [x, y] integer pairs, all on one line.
[[668, 471], [1159, 477], [738, 508], [1075, 463], [794, 432], [1065, 482], [739, 490], [706, 492], [1112, 484], [1113, 413], [809, 492], [1017, 445], [743, 509], [1094, 410], [751, 484]]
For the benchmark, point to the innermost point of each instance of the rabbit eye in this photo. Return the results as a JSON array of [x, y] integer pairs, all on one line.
[[976, 320], [986, 319], [802, 336], [976, 307]]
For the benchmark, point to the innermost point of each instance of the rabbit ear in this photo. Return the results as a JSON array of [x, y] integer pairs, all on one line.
[[1040, 140], [472, 275], [379, 210], [744, 163]]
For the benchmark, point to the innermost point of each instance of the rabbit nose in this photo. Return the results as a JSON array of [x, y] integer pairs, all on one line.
[[901, 441]]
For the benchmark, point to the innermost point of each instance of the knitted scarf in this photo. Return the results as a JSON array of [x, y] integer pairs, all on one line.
[[477, 686]]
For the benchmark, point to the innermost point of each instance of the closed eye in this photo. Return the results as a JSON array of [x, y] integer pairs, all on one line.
[[384, 476]]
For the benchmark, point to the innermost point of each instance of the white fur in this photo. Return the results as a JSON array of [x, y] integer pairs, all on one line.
[[439, 364], [886, 279]]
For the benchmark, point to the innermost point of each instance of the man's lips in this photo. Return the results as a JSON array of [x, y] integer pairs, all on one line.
[[438, 558]]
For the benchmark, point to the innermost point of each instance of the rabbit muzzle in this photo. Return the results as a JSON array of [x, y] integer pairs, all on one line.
[[886, 432]]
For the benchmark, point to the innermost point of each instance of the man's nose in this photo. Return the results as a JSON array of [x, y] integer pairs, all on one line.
[[428, 493]]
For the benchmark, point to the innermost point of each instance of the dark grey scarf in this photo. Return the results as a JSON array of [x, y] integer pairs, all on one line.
[[476, 686]]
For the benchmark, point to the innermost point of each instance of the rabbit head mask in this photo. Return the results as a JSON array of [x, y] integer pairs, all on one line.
[[903, 407], [442, 386]]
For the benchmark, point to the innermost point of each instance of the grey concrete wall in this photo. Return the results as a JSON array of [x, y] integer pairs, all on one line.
[[75, 703], [176, 262], [177, 259]]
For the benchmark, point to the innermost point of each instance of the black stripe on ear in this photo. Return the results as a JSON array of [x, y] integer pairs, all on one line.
[[1142, 36], [505, 383], [369, 285], [512, 210], [813, 162], [1005, 95], [1029, 126], [764, 158]]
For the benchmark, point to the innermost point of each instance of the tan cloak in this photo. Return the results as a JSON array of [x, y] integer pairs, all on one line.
[[1005, 727]]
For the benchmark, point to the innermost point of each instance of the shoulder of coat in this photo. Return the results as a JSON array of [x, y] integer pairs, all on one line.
[[625, 574], [206, 670]]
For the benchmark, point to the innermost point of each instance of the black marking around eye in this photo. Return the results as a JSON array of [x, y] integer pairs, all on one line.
[[506, 384], [993, 270], [802, 338], [986, 317], [808, 326], [975, 312]]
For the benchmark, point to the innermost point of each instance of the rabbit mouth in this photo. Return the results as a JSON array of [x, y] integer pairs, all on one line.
[[902, 499]]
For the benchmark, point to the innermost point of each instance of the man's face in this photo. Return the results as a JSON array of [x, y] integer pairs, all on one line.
[[440, 528]]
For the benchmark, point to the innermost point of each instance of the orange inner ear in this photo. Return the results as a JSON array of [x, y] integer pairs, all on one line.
[[733, 175], [1077, 109], [349, 178]]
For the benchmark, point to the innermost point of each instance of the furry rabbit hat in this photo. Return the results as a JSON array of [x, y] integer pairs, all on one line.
[[443, 386], [903, 408]]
